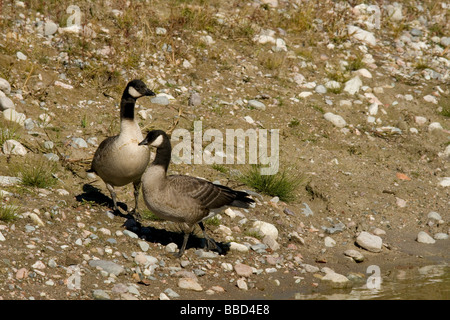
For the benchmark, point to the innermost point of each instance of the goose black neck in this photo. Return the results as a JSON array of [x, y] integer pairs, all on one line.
[[163, 154], [127, 106]]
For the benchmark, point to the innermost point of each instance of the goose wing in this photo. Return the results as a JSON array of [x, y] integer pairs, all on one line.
[[209, 195]]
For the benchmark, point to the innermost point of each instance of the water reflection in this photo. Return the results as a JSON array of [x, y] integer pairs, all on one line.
[[425, 283]]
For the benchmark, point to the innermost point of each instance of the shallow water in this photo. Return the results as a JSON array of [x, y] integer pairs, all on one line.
[[425, 283]]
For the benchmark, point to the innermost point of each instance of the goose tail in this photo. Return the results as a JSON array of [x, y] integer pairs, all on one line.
[[242, 200]]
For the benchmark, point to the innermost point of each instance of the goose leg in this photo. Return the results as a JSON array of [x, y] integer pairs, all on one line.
[[113, 196], [134, 212], [183, 247], [209, 241]]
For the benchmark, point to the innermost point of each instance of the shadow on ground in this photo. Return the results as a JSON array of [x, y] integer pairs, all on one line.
[[147, 233]]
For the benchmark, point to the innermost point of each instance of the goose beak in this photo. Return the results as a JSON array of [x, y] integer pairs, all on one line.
[[143, 142], [149, 92]]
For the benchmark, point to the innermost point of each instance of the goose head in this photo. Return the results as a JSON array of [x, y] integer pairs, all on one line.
[[155, 138], [137, 88]]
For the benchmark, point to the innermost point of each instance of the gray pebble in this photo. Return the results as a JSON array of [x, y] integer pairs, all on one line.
[[108, 266], [320, 89], [130, 234], [416, 32], [143, 245], [195, 99], [51, 156], [100, 295], [171, 293], [445, 41], [441, 236], [171, 247], [79, 143], [424, 237], [5, 86], [434, 215], [369, 242], [162, 100], [6, 103], [256, 104]]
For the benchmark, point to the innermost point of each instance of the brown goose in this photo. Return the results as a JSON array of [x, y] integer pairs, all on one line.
[[120, 160], [183, 199]]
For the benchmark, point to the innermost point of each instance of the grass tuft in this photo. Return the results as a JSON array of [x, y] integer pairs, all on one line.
[[8, 212], [37, 173], [281, 184]]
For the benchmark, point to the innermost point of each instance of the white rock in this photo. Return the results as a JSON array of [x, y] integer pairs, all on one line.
[[355, 254], [337, 120], [265, 36], [9, 181], [171, 247], [345, 103], [364, 73], [14, 116], [63, 85], [400, 202], [5, 86], [394, 11], [337, 280], [424, 237], [14, 147], [207, 39], [6, 103], [446, 152], [299, 79], [430, 98], [353, 85], [35, 218], [271, 3], [280, 45], [79, 142], [305, 94], [224, 230], [48, 28], [378, 232], [249, 119], [441, 236], [161, 31], [320, 89], [362, 35], [329, 242], [373, 109], [265, 229], [371, 119], [238, 247], [434, 215], [435, 126], [189, 284], [369, 241], [21, 56], [242, 284], [227, 266], [229, 212], [70, 29], [334, 85], [143, 114], [163, 296], [444, 182], [420, 120], [256, 104], [271, 243]]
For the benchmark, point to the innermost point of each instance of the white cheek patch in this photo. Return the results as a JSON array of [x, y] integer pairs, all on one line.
[[134, 93], [158, 141]]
